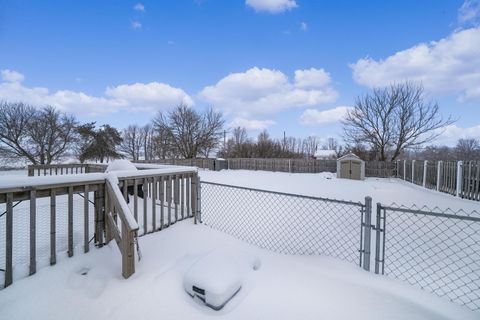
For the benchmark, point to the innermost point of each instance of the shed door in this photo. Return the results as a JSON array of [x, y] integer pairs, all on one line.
[[345, 169], [355, 169]]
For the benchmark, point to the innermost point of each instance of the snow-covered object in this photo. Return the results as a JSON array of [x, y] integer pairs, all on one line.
[[214, 279], [121, 165]]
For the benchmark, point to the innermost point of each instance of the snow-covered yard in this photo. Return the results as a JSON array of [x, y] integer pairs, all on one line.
[[89, 286], [326, 185], [284, 287]]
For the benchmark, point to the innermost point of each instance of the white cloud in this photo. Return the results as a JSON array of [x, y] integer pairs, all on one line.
[[271, 6], [139, 7], [303, 26], [448, 66], [469, 12], [451, 134], [136, 25], [251, 124], [313, 78], [12, 76], [148, 97], [266, 91], [318, 117]]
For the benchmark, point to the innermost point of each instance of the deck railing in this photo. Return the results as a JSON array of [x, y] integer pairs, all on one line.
[[65, 211], [61, 169]]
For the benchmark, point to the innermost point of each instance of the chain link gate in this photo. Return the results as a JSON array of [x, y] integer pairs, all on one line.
[[433, 250], [289, 223]]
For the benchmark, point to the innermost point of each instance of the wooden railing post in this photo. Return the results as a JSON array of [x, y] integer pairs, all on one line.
[[128, 251], [194, 202], [9, 241], [33, 224]]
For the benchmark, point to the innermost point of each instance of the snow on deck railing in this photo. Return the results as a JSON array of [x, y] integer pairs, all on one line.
[[168, 189]]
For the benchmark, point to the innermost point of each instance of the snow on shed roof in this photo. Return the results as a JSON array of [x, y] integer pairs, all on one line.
[[350, 156]]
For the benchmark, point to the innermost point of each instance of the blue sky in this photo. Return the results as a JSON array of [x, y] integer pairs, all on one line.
[[292, 65]]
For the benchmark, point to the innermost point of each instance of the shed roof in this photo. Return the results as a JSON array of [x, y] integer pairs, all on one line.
[[350, 156]]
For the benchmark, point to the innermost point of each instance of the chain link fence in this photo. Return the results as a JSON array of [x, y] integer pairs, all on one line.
[[435, 250], [438, 251], [285, 223]]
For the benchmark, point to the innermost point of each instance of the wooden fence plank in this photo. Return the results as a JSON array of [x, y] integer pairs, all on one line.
[[86, 239], [145, 204], [70, 221], [154, 204], [53, 227], [33, 235]]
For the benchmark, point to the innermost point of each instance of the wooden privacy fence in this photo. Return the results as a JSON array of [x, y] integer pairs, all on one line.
[[458, 178], [204, 163], [98, 201]]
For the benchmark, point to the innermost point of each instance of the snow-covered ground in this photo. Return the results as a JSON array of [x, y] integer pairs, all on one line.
[[326, 185], [284, 287], [300, 287]]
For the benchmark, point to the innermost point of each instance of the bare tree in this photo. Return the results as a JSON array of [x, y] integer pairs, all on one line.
[[132, 141], [40, 136], [467, 149], [310, 145], [394, 118], [188, 133]]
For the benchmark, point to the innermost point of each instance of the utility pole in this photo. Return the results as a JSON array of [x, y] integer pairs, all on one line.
[[284, 141], [224, 139]]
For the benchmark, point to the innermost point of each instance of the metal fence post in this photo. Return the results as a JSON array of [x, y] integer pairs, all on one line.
[[439, 173], [377, 239], [459, 178], [404, 169], [425, 164], [199, 200], [367, 235]]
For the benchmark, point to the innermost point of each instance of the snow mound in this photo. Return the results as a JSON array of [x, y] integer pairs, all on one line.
[[121, 165], [218, 276]]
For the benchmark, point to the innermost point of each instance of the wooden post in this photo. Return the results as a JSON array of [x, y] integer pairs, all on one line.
[[128, 252], [169, 199], [33, 242], [135, 199], [162, 203], [154, 204], [145, 204], [9, 241], [53, 228], [413, 171], [85, 220], [194, 197], [108, 212], [439, 174], [125, 189], [70, 221], [425, 167], [175, 196], [199, 200], [182, 196], [458, 192], [187, 182]]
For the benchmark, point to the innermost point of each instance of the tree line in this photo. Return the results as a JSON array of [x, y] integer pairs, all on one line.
[[386, 124]]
